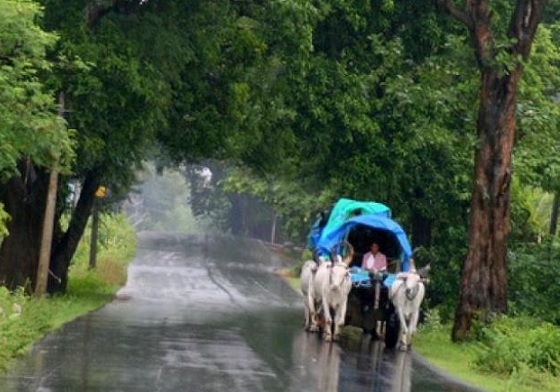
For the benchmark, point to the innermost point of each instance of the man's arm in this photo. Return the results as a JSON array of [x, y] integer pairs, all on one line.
[[348, 259], [383, 262]]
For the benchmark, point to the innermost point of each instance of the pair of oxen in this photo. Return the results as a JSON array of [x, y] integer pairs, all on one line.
[[325, 286]]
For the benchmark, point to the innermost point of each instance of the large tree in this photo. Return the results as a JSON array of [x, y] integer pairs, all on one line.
[[31, 133], [500, 57]]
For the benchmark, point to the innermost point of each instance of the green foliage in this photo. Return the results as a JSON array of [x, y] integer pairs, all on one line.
[[536, 157], [432, 321], [531, 269], [29, 124], [4, 217], [115, 100], [290, 202], [511, 345]]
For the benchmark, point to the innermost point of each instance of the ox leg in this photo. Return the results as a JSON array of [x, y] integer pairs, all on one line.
[[307, 313], [413, 324], [328, 321], [313, 315], [339, 318], [404, 330]]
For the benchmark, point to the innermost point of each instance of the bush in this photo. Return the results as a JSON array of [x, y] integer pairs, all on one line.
[[533, 271], [432, 321], [511, 345]]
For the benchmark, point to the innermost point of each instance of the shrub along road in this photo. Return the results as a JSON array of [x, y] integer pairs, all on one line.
[[207, 314]]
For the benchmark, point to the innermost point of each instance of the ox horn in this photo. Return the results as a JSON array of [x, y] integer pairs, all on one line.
[[423, 272], [412, 264]]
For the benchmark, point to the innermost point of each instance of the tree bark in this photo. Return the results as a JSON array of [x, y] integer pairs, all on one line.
[[421, 224], [483, 289], [555, 213], [238, 215], [24, 198], [65, 248], [484, 283], [421, 230]]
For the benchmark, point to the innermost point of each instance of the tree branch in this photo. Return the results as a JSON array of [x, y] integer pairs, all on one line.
[[524, 23], [461, 16]]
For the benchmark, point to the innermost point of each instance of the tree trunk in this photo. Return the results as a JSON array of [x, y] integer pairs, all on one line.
[[483, 284], [555, 211], [273, 229], [421, 230], [483, 289], [65, 248], [24, 198], [94, 235], [421, 224], [238, 216]]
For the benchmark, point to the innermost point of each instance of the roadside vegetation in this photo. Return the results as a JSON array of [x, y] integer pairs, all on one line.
[[25, 319], [515, 352], [510, 355]]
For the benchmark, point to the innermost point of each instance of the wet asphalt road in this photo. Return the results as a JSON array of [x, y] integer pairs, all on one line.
[[207, 314]]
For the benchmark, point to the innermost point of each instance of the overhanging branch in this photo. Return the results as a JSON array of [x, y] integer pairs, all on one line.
[[452, 9]]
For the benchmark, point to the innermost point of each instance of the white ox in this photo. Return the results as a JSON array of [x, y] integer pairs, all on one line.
[[407, 293], [329, 292], [305, 280]]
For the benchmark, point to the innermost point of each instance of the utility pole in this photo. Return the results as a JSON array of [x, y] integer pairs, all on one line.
[[48, 222], [273, 231], [99, 194], [94, 236]]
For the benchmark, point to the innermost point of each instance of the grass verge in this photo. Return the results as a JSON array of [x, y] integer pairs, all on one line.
[[24, 320], [460, 360]]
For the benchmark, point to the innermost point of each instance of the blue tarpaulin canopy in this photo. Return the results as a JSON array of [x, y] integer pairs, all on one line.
[[343, 210], [333, 238]]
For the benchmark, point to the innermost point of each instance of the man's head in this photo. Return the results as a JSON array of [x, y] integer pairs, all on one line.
[[374, 248]]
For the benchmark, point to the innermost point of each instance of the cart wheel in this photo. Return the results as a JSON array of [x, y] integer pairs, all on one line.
[[392, 330]]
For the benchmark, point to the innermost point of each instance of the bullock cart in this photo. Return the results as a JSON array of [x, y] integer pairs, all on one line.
[[369, 306]]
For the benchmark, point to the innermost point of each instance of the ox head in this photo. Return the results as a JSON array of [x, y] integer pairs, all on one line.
[[338, 275], [411, 282], [412, 285]]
